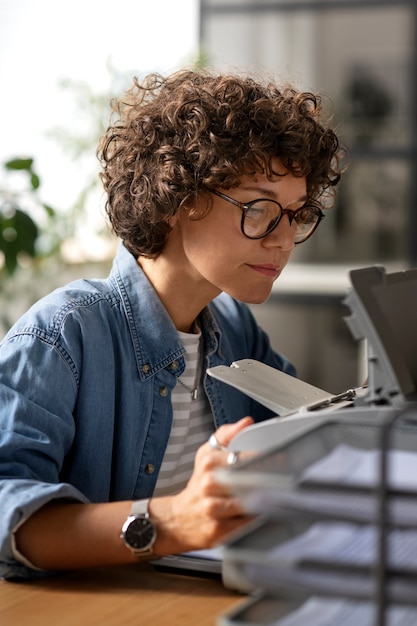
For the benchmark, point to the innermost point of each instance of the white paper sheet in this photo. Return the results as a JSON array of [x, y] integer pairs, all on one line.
[[346, 465]]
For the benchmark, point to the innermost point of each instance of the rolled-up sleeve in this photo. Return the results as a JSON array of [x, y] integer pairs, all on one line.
[[37, 391]]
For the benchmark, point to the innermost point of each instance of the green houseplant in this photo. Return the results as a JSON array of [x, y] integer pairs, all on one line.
[[20, 231]]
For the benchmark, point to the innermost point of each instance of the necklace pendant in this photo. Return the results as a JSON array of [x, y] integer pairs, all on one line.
[[193, 392]]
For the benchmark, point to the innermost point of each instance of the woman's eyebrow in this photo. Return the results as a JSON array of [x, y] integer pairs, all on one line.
[[269, 193]]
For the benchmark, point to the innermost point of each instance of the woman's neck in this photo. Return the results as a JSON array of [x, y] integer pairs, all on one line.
[[183, 296]]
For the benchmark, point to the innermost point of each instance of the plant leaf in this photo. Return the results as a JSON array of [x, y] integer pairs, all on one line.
[[34, 180], [19, 164], [18, 233], [50, 211]]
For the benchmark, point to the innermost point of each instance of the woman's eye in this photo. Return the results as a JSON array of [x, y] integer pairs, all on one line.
[[305, 216], [255, 212]]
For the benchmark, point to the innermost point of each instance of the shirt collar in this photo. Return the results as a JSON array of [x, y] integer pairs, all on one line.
[[154, 337]]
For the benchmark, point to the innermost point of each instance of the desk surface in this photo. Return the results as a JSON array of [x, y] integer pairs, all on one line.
[[115, 596]]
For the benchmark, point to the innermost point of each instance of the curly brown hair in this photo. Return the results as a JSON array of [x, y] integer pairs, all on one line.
[[175, 136]]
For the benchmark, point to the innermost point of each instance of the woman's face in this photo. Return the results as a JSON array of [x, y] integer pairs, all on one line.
[[217, 254]]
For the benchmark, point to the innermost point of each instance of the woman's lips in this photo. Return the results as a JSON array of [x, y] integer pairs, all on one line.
[[266, 270]]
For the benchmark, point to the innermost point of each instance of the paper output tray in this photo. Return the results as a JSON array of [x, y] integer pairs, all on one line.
[[261, 611], [264, 610], [279, 392], [285, 463], [260, 545], [252, 561]]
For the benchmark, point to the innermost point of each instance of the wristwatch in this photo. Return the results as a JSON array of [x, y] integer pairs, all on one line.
[[138, 531]]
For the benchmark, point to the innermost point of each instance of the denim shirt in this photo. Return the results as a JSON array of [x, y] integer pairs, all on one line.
[[86, 377]]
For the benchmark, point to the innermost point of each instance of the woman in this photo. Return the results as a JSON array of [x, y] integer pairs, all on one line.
[[105, 407]]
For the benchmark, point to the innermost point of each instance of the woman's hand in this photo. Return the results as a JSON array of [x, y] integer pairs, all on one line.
[[205, 512]]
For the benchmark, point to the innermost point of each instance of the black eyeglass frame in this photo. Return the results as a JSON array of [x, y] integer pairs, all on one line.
[[245, 206]]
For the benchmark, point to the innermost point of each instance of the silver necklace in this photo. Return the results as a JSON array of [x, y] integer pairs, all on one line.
[[193, 390]]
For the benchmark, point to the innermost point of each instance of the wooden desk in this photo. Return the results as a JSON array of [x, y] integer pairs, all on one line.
[[115, 596]]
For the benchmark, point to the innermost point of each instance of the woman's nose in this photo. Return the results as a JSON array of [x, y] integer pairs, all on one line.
[[283, 235]]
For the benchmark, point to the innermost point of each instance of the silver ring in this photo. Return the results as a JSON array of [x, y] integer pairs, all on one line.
[[232, 458], [214, 444]]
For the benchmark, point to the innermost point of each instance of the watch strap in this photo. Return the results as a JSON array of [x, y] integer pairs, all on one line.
[[140, 507]]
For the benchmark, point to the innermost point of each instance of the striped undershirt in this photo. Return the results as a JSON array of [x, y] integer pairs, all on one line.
[[192, 422]]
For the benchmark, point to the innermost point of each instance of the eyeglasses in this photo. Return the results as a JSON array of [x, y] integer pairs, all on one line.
[[260, 217]]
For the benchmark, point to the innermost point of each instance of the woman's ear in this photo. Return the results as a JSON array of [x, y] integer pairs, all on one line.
[[173, 220]]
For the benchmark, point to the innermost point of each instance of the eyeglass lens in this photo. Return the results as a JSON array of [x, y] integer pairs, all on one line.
[[260, 217]]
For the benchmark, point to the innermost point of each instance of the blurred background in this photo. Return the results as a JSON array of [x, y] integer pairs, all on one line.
[[61, 65]]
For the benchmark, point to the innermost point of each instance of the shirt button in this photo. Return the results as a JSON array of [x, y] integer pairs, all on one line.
[[146, 368], [163, 391], [174, 366], [149, 468]]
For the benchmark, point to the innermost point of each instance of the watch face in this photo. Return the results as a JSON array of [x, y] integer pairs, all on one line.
[[140, 533]]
